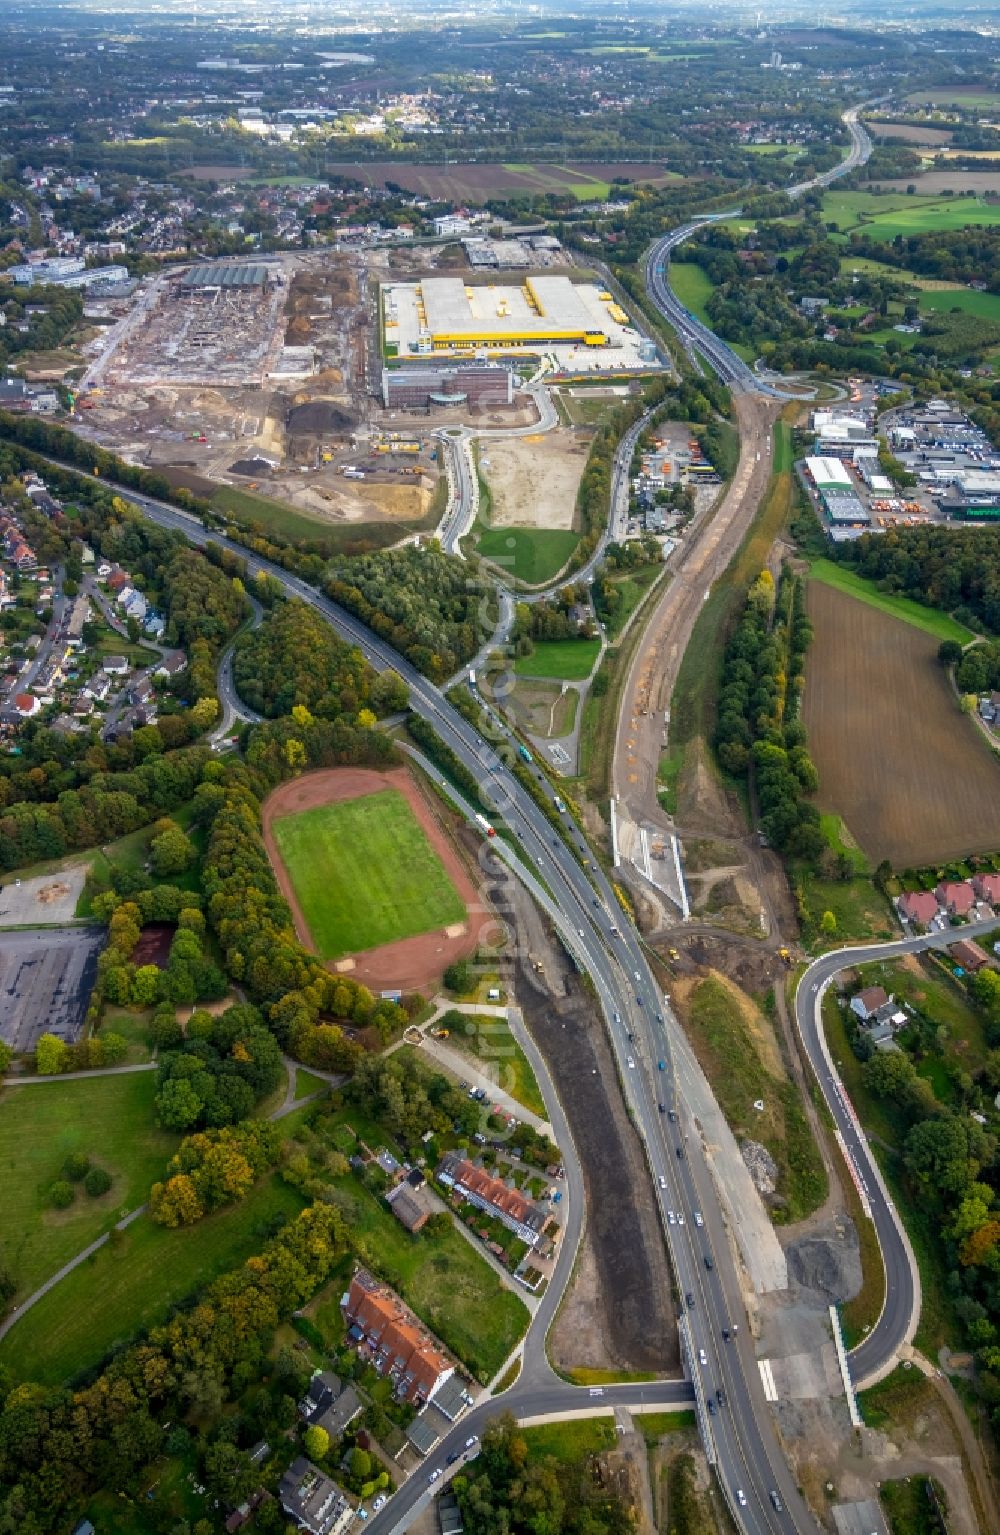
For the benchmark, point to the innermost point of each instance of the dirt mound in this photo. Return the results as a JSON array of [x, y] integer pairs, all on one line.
[[828, 1264], [318, 418], [50, 893], [253, 468]]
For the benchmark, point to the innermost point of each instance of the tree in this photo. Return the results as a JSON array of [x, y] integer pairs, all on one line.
[[828, 923], [6, 1057], [937, 1151], [230, 1473], [178, 1104], [176, 1202], [51, 1055], [115, 1047], [97, 1182], [171, 852], [61, 1194], [361, 1464], [204, 713], [949, 652], [316, 1441], [76, 1166], [145, 985]]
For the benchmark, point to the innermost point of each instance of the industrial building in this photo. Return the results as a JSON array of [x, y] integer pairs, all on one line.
[[226, 275], [476, 384], [451, 316], [65, 272], [836, 493]]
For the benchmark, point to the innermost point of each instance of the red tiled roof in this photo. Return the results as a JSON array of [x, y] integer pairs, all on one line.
[[511, 1201], [957, 895], [24, 702], [987, 887], [920, 905], [397, 1335]]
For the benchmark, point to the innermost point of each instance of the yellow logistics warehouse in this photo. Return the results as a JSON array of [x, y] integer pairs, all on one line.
[[443, 314]]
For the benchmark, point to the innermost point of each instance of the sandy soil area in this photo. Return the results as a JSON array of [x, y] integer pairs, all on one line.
[[533, 480], [979, 182], [49, 898], [411, 964]]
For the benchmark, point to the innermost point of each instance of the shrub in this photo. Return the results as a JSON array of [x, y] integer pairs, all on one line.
[[76, 1166], [61, 1194], [97, 1182]]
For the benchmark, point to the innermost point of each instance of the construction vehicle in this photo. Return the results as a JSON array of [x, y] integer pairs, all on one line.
[[440, 1033], [785, 955], [675, 953], [485, 826]]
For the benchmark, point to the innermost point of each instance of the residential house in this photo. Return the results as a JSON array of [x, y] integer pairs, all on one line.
[[312, 1501], [919, 907], [409, 1207], [868, 1002], [104, 570], [98, 687], [398, 1345], [26, 704], [140, 689], [987, 888], [116, 666], [136, 607], [330, 1404], [492, 1195], [969, 955], [118, 580], [173, 662], [957, 897]]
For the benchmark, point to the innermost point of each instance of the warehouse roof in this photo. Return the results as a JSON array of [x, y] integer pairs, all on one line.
[[453, 309], [240, 274], [828, 472]]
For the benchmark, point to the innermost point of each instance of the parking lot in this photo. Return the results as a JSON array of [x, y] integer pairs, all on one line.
[[46, 977]]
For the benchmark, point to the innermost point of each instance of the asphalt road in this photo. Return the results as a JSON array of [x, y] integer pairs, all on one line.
[[878, 1353]]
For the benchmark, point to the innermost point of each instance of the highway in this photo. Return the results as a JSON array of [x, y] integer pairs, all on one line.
[[739, 1433], [736, 1425], [694, 333]]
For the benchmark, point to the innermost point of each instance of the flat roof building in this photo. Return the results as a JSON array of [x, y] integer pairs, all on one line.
[[545, 309], [229, 274], [486, 384]]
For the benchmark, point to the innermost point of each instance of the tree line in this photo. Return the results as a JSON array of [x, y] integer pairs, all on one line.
[[758, 732], [954, 569]]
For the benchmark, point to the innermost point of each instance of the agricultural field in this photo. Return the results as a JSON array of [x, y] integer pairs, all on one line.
[[364, 873], [111, 1120], [941, 625], [476, 182], [986, 306], [911, 777], [896, 213], [131, 1285]]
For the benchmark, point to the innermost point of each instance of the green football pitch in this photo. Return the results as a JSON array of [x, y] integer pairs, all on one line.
[[364, 873]]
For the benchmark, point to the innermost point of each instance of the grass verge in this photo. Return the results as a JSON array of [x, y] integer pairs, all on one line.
[[941, 625], [562, 660], [489, 1040]]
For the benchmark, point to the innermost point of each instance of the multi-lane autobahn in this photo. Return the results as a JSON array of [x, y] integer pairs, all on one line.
[[736, 1426], [695, 335]]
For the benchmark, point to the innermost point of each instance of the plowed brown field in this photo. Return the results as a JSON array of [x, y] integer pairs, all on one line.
[[912, 778]]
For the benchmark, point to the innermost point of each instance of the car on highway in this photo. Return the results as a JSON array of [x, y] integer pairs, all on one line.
[[663, 1182], [662, 1107], [741, 1497], [631, 1064], [698, 1218], [690, 1300], [711, 1407], [680, 1218], [672, 1116], [708, 1263], [434, 1475], [472, 1439], [720, 1397], [671, 1217], [702, 1358], [661, 1065], [680, 1152], [776, 1501]]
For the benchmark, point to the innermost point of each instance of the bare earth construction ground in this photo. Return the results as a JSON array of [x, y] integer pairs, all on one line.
[[912, 778], [533, 481], [411, 964]]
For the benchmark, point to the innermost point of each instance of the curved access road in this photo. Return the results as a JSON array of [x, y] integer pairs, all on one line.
[[877, 1355]]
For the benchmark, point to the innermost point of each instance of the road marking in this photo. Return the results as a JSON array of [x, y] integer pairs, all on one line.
[[767, 1377]]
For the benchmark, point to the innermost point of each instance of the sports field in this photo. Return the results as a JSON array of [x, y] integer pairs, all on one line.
[[912, 778], [364, 873]]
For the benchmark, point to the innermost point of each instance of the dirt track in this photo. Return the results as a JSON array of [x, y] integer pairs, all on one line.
[[409, 964], [657, 661]]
